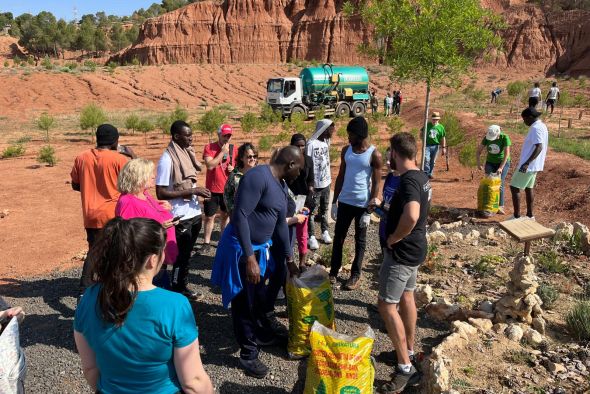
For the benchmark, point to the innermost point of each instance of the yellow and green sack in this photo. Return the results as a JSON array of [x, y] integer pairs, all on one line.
[[309, 299], [488, 195], [339, 364]]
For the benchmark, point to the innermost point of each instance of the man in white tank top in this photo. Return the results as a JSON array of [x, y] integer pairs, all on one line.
[[355, 193]]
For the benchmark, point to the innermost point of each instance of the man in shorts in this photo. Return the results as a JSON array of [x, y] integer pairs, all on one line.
[[532, 161], [552, 96], [405, 251], [220, 158]]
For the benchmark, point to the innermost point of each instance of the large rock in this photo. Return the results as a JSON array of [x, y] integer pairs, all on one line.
[[563, 231], [456, 237], [437, 237], [483, 325], [423, 295], [465, 330], [581, 231], [442, 311], [514, 333], [533, 337]]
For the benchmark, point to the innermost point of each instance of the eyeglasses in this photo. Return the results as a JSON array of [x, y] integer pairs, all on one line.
[[250, 157]]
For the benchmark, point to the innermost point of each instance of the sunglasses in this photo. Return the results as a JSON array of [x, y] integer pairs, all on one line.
[[250, 157]]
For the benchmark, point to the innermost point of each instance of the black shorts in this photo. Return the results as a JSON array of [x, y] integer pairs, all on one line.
[[550, 101], [214, 203], [533, 101]]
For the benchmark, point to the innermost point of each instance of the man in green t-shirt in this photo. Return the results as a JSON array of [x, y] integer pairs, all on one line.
[[497, 145], [435, 136]]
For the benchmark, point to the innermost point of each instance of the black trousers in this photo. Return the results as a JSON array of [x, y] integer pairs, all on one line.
[[187, 232], [321, 201], [276, 279], [248, 311], [346, 214], [85, 279]]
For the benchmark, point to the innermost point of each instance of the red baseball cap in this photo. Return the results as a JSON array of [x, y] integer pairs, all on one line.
[[225, 129]]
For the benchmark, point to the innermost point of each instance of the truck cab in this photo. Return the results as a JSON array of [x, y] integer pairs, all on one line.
[[283, 93]]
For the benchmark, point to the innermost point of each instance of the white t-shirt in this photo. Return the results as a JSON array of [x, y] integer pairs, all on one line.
[[319, 151], [535, 92], [538, 134], [553, 92], [180, 207]]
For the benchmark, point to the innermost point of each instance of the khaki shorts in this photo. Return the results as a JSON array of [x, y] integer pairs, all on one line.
[[395, 278], [523, 180]]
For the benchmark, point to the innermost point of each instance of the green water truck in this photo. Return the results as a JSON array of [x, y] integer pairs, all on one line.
[[339, 90]]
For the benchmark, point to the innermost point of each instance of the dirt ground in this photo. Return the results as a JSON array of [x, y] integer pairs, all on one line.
[[43, 229]]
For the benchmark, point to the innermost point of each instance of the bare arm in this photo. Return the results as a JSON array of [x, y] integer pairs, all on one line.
[[377, 165], [506, 157], [340, 177], [163, 193], [212, 162], [88, 359], [536, 152], [190, 371], [406, 224], [480, 149]]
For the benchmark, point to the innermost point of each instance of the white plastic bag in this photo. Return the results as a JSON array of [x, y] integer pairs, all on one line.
[[13, 366]]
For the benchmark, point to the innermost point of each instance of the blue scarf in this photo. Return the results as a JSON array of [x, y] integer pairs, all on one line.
[[226, 273]]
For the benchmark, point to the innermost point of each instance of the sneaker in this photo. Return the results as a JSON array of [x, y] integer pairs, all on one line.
[[352, 282], [205, 248], [401, 381], [254, 368], [281, 295], [312, 243], [333, 279], [326, 237]]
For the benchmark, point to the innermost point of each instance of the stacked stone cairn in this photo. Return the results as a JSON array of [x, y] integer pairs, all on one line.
[[521, 303]]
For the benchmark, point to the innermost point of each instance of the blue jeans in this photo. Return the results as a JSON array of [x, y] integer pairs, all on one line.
[[493, 167], [430, 158]]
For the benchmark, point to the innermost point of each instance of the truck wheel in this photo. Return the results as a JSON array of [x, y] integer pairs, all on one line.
[[342, 110], [358, 109], [298, 110]]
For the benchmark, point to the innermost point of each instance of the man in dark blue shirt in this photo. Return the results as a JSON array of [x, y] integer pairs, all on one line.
[[259, 212]]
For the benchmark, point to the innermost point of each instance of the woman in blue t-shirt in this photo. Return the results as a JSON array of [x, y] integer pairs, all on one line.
[[132, 336]]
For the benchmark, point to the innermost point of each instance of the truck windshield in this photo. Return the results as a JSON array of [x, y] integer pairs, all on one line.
[[275, 86]]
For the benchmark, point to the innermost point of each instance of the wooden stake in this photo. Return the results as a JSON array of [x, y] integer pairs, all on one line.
[[569, 123]]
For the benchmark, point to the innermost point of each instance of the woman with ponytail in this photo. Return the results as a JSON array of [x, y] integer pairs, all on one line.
[[132, 336]]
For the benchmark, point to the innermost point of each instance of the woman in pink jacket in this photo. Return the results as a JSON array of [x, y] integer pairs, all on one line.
[[136, 177]]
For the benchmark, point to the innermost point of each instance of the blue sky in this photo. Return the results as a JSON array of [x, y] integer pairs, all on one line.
[[65, 8]]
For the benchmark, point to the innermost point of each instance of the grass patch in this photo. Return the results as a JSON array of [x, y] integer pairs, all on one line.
[[549, 262], [486, 265], [519, 357], [580, 148], [578, 321], [325, 255], [23, 140], [13, 151], [461, 384], [548, 295]]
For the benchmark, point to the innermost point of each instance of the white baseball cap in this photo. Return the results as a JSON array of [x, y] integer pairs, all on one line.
[[493, 132]]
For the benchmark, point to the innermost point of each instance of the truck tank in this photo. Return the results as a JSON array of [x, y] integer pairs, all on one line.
[[319, 79]]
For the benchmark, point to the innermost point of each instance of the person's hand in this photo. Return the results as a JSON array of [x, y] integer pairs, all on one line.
[[225, 148], [166, 205], [374, 203], [13, 312], [252, 270], [334, 211], [480, 167], [202, 192], [300, 218], [500, 169], [169, 223], [444, 151], [390, 241], [293, 268], [230, 168], [524, 167]]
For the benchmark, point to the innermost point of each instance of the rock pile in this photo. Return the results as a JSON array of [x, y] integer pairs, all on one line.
[[521, 303]]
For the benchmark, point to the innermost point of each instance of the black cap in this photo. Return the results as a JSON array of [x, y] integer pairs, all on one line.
[[359, 127], [106, 135], [530, 111]]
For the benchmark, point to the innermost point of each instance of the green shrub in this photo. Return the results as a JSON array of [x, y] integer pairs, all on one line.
[[265, 143], [13, 151], [475, 94], [467, 154], [578, 321], [65, 70], [163, 123], [548, 295], [135, 61], [46, 63], [45, 123], [24, 139], [210, 121], [549, 262], [486, 265], [90, 65], [517, 87], [249, 122], [325, 255], [144, 125], [112, 66], [455, 133], [47, 156], [269, 115], [132, 122], [341, 131], [522, 357], [334, 153], [179, 113], [91, 117], [320, 113], [72, 66], [6, 64], [580, 100], [566, 99], [283, 136], [395, 125]]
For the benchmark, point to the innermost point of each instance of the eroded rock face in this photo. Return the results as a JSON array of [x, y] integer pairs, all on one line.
[[278, 31]]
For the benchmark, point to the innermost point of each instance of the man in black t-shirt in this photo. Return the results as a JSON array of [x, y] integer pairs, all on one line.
[[405, 251]]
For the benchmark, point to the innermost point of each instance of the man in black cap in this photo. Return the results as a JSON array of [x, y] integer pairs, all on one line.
[[94, 175], [355, 196]]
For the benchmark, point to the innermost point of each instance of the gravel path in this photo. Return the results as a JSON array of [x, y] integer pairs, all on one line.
[[54, 366]]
